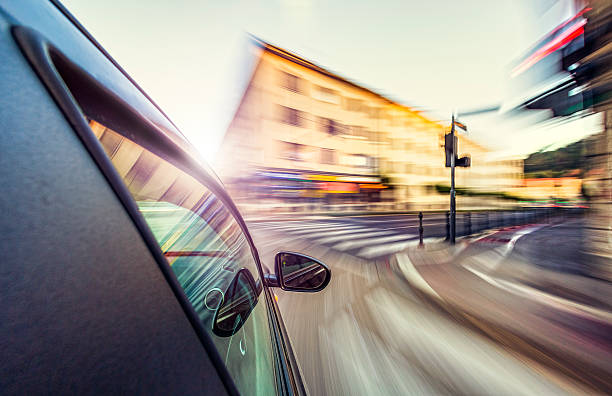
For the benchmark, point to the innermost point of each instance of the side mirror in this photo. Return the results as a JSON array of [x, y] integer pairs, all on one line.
[[236, 305], [298, 272]]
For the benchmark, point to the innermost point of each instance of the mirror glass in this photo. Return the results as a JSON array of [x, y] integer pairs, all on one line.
[[299, 272], [236, 305]]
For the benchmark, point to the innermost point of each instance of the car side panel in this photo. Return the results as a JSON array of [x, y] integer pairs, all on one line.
[[85, 307]]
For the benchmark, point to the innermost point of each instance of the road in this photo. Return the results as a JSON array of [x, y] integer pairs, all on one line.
[[531, 287], [377, 236], [373, 332]]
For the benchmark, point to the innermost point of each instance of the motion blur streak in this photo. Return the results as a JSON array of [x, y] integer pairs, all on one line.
[[380, 334], [521, 303]]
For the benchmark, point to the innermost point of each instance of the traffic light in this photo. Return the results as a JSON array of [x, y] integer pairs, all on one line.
[[465, 162], [449, 147]]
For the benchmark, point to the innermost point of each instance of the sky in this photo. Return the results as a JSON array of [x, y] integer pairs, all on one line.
[[435, 55]]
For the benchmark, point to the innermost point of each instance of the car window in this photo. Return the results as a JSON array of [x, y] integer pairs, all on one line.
[[208, 253]]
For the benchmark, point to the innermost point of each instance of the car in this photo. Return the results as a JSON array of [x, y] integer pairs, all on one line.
[[127, 267]]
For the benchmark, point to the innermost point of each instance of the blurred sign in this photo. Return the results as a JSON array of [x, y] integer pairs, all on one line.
[[276, 175], [377, 186], [340, 188], [359, 179], [321, 177], [354, 160]]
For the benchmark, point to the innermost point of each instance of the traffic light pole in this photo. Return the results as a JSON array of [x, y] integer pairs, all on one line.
[[453, 216]]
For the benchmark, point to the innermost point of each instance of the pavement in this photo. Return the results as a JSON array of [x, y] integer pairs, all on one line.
[[409, 322], [529, 289]]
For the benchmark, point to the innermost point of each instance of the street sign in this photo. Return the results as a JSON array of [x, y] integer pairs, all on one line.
[[460, 125]]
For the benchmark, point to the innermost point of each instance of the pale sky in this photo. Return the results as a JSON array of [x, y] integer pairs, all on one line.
[[435, 55]]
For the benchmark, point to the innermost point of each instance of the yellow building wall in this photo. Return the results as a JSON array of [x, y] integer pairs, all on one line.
[[408, 146]]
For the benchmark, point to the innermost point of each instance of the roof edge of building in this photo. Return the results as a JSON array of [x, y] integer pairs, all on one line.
[[283, 53]]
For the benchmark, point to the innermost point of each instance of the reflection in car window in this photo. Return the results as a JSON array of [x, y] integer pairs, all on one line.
[[205, 248]]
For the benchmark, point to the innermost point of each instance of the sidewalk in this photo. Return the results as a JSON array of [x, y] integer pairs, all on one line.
[[561, 320]]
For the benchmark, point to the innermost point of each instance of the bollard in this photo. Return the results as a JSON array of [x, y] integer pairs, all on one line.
[[447, 226], [420, 229]]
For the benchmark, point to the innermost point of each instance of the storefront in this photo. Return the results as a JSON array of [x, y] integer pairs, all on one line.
[[313, 187]]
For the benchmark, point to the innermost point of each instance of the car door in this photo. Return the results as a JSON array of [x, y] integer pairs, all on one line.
[[179, 207]]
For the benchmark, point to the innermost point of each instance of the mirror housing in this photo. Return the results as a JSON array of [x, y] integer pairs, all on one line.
[[236, 305], [298, 272]]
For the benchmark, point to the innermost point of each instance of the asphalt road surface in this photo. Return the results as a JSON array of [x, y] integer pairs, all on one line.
[[531, 287], [378, 236], [371, 332]]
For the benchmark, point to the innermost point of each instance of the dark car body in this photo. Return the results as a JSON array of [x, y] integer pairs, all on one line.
[[92, 300]]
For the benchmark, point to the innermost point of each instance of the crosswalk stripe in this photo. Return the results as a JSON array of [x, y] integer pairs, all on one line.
[[389, 248], [327, 232], [360, 234], [305, 226], [318, 225], [370, 241]]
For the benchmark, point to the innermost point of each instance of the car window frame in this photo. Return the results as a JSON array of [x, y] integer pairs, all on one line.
[[38, 50], [44, 58], [284, 374]]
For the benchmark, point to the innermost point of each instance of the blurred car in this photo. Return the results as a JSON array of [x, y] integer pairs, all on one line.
[[127, 267]]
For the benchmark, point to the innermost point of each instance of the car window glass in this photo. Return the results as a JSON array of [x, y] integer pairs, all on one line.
[[208, 253]]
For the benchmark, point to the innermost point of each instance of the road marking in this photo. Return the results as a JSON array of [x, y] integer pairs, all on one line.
[[321, 233], [543, 297], [519, 234], [415, 219], [413, 276], [370, 241], [311, 230], [360, 234], [389, 248], [309, 226]]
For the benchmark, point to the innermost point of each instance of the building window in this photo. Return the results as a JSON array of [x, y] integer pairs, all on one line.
[[372, 162], [356, 160], [353, 104], [328, 156], [291, 116], [291, 151], [324, 124], [326, 95], [331, 126], [358, 131], [374, 112], [290, 82]]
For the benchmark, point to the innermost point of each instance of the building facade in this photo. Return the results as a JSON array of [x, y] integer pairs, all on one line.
[[304, 135]]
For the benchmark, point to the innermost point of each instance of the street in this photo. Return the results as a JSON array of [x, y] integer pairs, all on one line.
[[427, 320], [374, 236]]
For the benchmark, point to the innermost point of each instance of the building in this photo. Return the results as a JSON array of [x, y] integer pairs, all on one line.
[[553, 188], [305, 135]]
